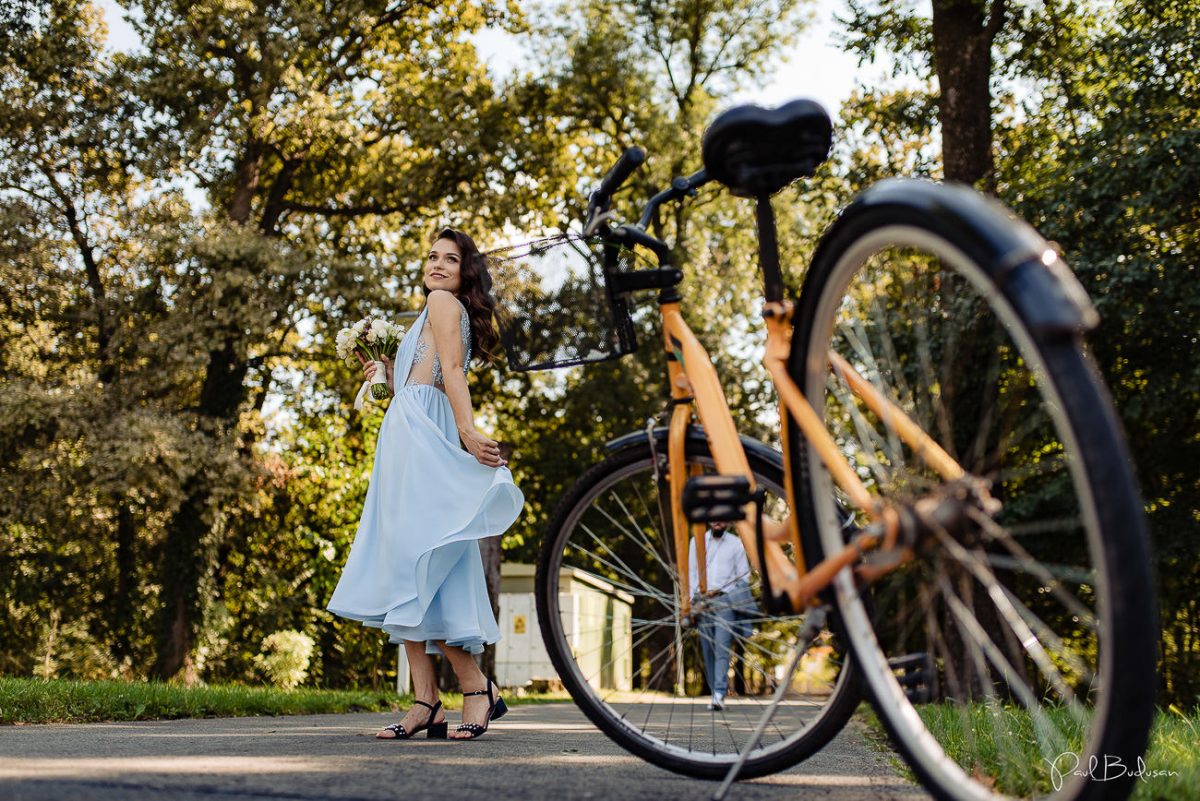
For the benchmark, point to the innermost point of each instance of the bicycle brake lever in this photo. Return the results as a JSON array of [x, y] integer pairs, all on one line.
[[596, 221]]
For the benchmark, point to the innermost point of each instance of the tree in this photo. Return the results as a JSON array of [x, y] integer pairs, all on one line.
[[322, 142], [954, 43], [1098, 160], [304, 124], [90, 447], [1090, 151]]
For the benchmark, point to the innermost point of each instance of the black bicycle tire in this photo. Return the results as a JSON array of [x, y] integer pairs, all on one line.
[[847, 693], [1124, 730]]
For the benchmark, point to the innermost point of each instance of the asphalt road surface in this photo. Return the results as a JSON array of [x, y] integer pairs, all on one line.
[[546, 751]]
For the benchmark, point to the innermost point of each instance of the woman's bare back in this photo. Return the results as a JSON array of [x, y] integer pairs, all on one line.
[[426, 366]]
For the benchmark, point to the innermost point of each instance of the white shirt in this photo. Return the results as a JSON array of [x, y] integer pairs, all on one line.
[[725, 558]]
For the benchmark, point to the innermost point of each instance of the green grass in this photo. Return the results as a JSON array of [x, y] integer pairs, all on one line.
[[1002, 742], [59, 701], [1174, 745]]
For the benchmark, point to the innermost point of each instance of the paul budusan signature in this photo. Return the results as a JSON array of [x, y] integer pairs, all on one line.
[[1102, 770]]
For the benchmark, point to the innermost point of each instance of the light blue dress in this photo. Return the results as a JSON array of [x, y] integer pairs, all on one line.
[[414, 569]]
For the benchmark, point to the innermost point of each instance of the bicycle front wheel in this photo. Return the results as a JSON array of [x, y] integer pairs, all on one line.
[[1018, 643], [608, 606]]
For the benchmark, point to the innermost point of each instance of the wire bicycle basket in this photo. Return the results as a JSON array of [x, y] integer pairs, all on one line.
[[555, 304]]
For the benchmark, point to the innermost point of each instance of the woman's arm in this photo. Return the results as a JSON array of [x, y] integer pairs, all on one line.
[[445, 317]]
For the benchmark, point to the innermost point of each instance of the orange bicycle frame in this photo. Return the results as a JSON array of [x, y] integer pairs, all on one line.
[[696, 390]]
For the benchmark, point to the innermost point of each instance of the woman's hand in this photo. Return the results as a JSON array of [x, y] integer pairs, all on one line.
[[486, 451], [369, 369]]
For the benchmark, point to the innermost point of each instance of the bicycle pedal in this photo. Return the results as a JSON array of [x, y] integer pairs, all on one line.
[[709, 499], [914, 673]]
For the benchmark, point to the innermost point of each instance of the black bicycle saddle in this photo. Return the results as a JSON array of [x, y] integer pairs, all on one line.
[[758, 151]]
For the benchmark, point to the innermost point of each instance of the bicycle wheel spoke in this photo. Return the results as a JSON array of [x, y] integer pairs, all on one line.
[[624, 569], [934, 392], [866, 433], [658, 529], [895, 452], [987, 648], [973, 459], [891, 355], [1057, 525], [634, 533], [1025, 561], [1003, 602]]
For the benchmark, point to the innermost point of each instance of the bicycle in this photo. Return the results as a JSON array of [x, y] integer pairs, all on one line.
[[954, 488]]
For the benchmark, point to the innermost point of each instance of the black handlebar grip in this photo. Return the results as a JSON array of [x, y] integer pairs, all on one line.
[[630, 160]]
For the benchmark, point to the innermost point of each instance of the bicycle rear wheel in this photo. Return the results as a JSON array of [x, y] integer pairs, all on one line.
[[1016, 644], [609, 612]]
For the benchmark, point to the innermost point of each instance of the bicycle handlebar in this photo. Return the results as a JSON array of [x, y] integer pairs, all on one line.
[[630, 160], [680, 187], [597, 216]]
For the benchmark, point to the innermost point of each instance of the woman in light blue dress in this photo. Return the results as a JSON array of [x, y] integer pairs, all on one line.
[[414, 569]]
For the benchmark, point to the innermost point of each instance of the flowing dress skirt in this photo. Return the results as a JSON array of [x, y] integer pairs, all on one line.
[[414, 569]]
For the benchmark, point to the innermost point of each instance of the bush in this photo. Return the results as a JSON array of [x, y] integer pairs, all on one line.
[[284, 658]]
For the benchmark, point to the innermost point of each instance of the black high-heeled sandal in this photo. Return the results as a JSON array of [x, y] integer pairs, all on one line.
[[437, 731], [496, 709]]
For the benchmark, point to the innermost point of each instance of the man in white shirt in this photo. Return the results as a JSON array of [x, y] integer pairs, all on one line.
[[721, 611]]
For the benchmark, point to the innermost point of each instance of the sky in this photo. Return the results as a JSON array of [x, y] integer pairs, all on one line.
[[814, 67]]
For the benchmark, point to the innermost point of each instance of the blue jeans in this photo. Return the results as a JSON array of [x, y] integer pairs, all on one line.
[[721, 621]]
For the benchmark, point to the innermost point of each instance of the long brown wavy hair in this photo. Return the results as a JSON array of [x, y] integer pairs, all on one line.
[[475, 292]]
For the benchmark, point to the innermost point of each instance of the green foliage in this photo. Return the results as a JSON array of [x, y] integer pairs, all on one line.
[[1116, 190], [285, 657], [894, 28]]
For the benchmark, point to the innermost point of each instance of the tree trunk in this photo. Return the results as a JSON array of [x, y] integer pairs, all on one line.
[[184, 562], [249, 168], [122, 599], [963, 33], [181, 570], [489, 549], [446, 680]]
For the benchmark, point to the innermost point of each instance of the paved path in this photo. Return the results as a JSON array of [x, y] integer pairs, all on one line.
[[547, 751]]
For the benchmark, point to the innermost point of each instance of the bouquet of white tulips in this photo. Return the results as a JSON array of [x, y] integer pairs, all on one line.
[[372, 339]]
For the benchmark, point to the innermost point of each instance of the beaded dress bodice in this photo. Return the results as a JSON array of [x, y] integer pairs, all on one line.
[[418, 374]]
